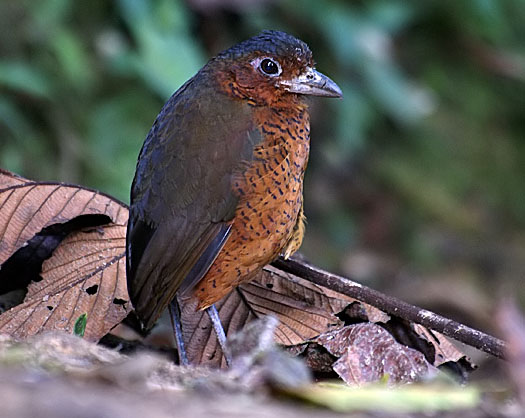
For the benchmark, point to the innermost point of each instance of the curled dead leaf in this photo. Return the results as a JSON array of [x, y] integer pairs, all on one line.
[[86, 272], [27, 207]]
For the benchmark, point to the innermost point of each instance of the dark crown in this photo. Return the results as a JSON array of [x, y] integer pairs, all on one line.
[[271, 42]]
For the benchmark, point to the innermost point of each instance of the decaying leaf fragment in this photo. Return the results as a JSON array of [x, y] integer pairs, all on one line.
[[366, 352]]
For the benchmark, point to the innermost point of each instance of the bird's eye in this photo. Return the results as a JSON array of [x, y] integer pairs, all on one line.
[[270, 67]]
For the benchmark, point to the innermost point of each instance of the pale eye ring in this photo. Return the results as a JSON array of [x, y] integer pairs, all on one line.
[[269, 66]]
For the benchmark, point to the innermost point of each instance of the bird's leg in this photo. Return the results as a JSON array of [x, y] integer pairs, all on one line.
[[219, 331], [177, 330]]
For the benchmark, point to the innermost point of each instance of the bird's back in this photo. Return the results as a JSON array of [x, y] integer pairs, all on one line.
[[181, 197]]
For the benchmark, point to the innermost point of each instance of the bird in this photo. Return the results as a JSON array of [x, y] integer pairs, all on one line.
[[218, 188]]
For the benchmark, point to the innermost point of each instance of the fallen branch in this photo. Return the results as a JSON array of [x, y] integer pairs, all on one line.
[[393, 306]]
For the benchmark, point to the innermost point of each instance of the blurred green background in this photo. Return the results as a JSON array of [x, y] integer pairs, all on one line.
[[416, 178]]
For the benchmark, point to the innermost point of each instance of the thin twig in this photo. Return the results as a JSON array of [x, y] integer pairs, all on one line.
[[393, 306]]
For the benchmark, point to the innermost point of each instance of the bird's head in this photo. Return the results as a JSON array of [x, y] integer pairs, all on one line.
[[273, 68]]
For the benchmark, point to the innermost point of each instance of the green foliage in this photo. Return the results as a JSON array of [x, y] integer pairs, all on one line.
[[166, 54], [83, 84]]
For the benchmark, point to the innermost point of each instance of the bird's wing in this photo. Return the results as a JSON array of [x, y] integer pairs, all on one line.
[[182, 200]]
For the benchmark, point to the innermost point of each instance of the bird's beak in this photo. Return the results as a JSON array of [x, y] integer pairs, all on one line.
[[312, 82]]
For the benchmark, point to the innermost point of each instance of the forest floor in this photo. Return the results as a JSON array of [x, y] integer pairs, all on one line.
[[62, 376]]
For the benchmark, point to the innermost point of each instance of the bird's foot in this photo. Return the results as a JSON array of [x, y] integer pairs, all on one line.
[[177, 331], [219, 331]]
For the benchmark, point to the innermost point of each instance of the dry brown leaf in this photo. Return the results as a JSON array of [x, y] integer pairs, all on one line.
[[86, 273], [27, 207], [8, 179], [437, 349], [367, 352], [445, 351], [76, 281], [304, 310]]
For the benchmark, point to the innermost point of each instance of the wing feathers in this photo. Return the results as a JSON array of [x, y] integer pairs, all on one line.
[[203, 264], [182, 200], [159, 275]]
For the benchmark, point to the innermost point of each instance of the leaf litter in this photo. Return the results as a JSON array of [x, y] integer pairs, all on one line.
[[84, 273]]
